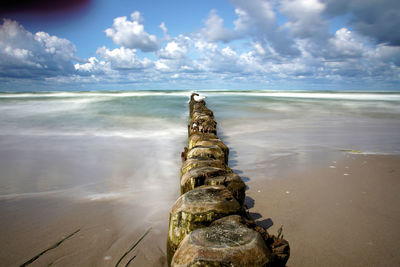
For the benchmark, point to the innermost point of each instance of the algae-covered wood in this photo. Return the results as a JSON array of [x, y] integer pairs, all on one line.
[[189, 164], [196, 177], [233, 183], [202, 230], [199, 176], [214, 142], [198, 208], [194, 138], [207, 152], [223, 243]]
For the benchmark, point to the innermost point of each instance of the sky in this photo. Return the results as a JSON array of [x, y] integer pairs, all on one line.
[[192, 44]]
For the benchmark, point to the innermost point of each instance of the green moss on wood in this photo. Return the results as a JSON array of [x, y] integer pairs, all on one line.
[[222, 243], [197, 163], [196, 209]]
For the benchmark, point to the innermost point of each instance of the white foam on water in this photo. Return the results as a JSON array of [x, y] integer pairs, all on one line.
[[105, 196], [95, 94], [30, 194], [314, 95], [38, 194], [129, 134], [370, 96]]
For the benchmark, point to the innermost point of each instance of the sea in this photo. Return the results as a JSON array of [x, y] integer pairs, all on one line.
[[101, 144]]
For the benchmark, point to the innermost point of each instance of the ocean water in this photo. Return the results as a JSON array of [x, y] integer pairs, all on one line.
[[103, 144]]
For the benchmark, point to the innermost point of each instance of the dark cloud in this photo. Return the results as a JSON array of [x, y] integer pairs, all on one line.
[[34, 56], [378, 19], [257, 19]]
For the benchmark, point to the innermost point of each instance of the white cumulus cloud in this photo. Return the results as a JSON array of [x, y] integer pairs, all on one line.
[[123, 58], [215, 31], [176, 48], [27, 55], [257, 20], [131, 33], [305, 18], [346, 44], [93, 65]]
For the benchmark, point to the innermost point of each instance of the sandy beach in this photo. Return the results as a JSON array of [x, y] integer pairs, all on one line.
[[112, 208], [341, 213], [102, 170], [104, 234]]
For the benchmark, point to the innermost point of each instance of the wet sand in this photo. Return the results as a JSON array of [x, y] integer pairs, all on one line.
[[111, 190], [107, 229], [344, 212]]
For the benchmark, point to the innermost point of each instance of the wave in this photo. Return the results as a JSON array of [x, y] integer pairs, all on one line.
[[106, 196], [129, 134], [94, 94], [353, 95], [375, 96]]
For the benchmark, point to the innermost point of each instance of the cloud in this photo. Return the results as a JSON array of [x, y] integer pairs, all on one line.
[[131, 33], [251, 14], [36, 56], [389, 54], [176, 48], [93, 66], [220, 60], [164, 30], [260, 49], [304, 18], [378, 19], [123, 58], [257, 20], [215, 31], [346, 44], [225, 60], [177, 66], [113, 63]]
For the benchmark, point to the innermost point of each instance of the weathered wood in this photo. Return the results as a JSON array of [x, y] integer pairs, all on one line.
[[214, 142], [197, 176], [202, 123], [202, 229], [207, 152], [194, 138], [232, 182], [198, 208], [214, 176], [226, 242], [189, 164]]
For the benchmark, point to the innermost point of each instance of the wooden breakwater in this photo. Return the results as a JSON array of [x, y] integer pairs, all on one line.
[[208, 224]]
